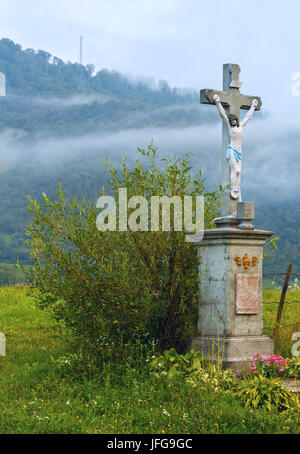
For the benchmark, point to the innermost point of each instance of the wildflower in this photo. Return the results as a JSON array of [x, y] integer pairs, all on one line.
[[166, 413]]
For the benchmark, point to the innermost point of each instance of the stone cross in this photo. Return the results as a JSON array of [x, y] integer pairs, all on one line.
[[232, 101], [2, 85]]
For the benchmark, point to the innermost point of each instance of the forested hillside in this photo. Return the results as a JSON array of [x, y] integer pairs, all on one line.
[[38, 73], [46, 95], [59, 121]]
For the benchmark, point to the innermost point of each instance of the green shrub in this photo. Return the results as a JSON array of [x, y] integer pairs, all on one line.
[[292, 369], [193, 370], [171, 365], [262, 392], [115, 288]]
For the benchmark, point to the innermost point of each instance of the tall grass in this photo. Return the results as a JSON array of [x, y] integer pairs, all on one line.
[[290, 322], [42, 392]]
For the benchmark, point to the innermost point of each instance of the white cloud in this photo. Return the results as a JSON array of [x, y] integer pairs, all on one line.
[[270, 169], [185, 42], [79, 100]]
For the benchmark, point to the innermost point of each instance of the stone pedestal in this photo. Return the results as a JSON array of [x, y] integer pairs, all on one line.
[[2, 345], [230, 325]]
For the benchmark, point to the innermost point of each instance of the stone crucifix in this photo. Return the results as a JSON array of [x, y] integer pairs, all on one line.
[[229, 102]]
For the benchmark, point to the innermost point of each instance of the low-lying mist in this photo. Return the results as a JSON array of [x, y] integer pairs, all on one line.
[[270, 167]]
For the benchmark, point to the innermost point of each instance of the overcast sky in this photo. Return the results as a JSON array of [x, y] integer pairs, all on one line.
[[182, 41]]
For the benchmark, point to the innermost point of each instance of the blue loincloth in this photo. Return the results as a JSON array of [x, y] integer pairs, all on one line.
[[237, 154]]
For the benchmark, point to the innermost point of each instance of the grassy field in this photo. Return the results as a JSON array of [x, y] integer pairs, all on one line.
[[41, 394], [290, 322]]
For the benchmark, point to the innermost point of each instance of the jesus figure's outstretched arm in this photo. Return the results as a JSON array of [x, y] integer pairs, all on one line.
[[221, 110], [250, 113]]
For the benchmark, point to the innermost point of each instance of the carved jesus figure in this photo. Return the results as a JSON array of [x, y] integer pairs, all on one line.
[[234, 151]]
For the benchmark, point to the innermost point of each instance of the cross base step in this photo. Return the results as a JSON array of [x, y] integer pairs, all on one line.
[[240, 219], [234, 352], [227, 222]]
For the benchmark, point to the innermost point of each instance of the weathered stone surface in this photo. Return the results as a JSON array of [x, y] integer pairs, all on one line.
[[242, 329], [245, 214], [246, 210], [217, 271], [2, 345], [293, 385], [247, 298], [234, 352]]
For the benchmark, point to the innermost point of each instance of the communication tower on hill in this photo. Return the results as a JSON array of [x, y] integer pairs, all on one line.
[[2, 85], [81, 82]]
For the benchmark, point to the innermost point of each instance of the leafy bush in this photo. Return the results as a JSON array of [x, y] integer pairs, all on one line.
[[171, 364], [262, 392], [193, 370], [114, 288], [292, 369]]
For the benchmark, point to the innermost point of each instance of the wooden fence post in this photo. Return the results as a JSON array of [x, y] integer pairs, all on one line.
[[282, 300]]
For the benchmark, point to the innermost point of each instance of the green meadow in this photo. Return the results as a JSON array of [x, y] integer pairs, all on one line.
[[46, 387]]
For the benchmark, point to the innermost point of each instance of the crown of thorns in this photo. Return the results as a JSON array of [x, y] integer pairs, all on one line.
[[232, 117]]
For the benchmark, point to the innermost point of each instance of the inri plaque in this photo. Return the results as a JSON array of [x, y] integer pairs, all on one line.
[[246, 294]]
